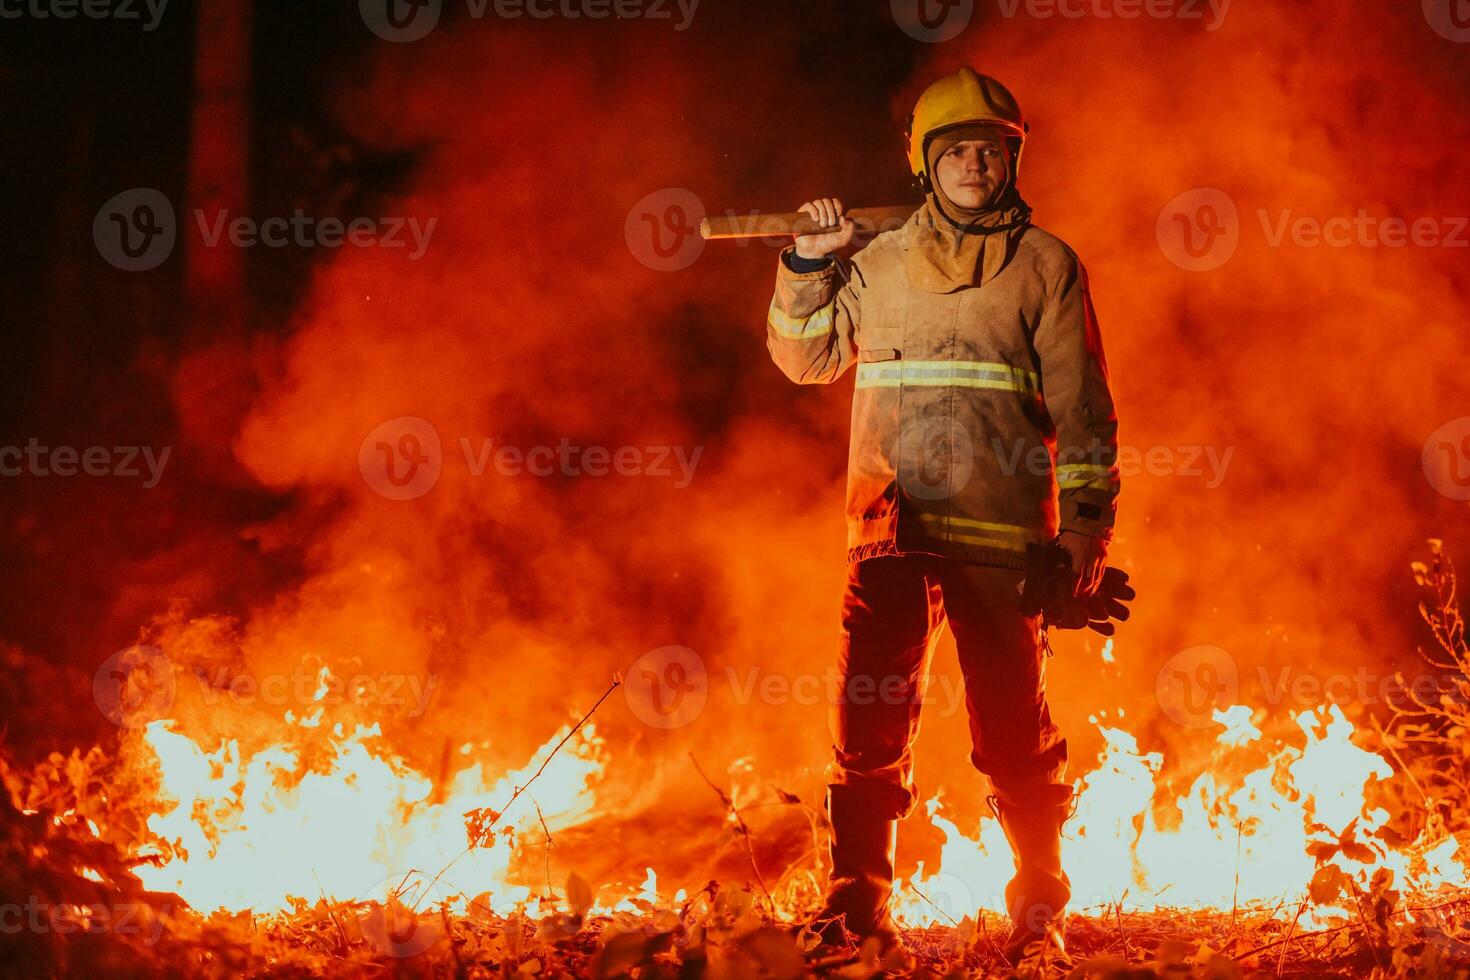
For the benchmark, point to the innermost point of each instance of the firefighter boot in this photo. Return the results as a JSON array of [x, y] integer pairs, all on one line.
[[864, 841], [1037, 896]]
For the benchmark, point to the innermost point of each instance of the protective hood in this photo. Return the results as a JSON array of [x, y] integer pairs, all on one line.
[[952, 247]]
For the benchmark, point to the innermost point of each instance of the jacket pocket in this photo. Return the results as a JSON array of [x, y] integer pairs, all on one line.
[[881, 333], [869, 354]]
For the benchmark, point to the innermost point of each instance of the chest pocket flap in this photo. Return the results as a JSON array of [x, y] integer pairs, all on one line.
[[881, 339]]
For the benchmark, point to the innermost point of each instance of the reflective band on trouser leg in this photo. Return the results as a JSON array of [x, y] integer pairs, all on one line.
[[962, 374], [1011, 537], [1098, 477], [800, 327]]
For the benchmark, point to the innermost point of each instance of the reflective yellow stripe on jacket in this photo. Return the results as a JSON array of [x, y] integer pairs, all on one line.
[[1011, 537], [800, 327], [961, 374], [1099, 477]]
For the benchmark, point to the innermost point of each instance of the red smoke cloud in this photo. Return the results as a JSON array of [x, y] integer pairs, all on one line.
[[1320, 370]]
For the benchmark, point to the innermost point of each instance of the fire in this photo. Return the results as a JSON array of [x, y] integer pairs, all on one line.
[[1236, 842], [330, 811], [335, 813]]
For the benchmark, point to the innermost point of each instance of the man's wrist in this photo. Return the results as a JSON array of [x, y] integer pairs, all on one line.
[[797, 262]]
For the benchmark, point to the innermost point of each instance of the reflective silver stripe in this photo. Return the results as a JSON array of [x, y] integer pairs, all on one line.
[[801, 328], [961, 374]]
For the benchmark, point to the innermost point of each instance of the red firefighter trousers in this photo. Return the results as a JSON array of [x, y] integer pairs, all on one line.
[[893, 609]]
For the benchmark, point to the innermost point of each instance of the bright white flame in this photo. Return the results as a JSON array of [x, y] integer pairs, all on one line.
[[255, 832], [1234, 841], [331, 812]]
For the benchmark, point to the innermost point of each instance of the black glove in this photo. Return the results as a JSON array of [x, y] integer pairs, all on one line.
[[1050, 583]]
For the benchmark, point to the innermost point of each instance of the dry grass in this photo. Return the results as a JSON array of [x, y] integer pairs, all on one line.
[[82, 912]]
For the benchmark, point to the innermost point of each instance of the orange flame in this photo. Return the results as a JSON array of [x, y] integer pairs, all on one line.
[[255, 831], [335, 813]]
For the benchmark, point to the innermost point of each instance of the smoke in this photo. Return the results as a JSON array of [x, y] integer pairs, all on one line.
[[530, 338], [1313, 374], [1318, 370]]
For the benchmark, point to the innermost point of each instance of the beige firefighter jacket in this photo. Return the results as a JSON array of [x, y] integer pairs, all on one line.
[[981, 418]]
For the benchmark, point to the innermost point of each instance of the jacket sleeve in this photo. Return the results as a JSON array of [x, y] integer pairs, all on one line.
[[812, 323], [1074, 380]]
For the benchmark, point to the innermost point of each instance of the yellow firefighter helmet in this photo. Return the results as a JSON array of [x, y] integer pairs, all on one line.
[[965, 97]]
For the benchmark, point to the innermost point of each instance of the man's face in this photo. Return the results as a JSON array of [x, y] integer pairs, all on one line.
[[972, 172]]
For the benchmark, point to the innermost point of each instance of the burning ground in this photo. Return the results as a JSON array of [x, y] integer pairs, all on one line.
[[308, 845], [330, 696]]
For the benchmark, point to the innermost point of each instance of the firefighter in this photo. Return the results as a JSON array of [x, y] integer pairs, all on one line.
[[981, 421]]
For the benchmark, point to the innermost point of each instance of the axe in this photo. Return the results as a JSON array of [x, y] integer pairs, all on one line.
[[784, 224]]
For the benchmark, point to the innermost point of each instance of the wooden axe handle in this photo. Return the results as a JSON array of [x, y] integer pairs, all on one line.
[[792, 223]]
